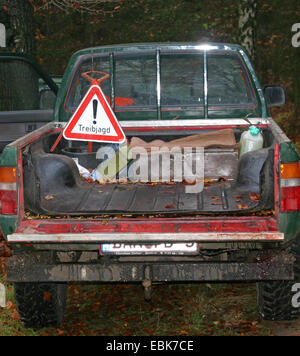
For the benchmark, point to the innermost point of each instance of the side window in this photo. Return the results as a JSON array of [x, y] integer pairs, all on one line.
[[227, 81], [182, 80], [19, 86]]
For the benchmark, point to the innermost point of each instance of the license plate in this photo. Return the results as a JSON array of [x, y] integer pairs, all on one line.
[[151, 249]]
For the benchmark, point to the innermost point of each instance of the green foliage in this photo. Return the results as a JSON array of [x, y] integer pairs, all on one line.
[[60, 34], [132, 21]]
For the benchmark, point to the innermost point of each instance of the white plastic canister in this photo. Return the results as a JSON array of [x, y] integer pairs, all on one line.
[[251, 140]]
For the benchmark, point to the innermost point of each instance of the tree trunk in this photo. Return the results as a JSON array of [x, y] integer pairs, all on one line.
[[17, 16], [247, 25]]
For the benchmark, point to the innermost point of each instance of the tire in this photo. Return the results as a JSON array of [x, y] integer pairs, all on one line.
[[40, 304], [274, 299]]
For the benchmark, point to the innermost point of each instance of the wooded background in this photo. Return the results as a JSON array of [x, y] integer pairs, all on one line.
[[51, 30]]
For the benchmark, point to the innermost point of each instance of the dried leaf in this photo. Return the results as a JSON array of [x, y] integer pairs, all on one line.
[[47, 296], [186, 182], [48, 197], [170, 206], [241, 206], [254, 197], [9, 305], [209, 180]]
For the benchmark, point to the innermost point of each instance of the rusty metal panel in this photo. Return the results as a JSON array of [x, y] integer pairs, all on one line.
[[123, 224]]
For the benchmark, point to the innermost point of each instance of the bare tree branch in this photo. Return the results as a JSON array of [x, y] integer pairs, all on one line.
[[89, 6]]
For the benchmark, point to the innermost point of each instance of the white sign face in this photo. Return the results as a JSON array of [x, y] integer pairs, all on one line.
[[94, 120], [2, 35]]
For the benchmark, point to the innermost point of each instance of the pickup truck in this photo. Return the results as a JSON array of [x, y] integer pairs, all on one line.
[[27, 96], [242, 226]]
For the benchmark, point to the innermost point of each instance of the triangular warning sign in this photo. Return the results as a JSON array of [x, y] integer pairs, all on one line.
[[94, 120]]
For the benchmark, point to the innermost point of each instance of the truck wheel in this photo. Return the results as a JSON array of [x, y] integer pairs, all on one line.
[[40, 304], [274, 299]]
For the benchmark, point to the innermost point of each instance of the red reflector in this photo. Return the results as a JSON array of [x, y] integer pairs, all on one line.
[[290, 198], [8, 202]]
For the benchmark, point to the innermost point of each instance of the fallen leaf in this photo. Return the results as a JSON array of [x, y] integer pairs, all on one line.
[[241, 206], [209, 180], [75, 290], [254, 197], [170, 206], [15, 315], [47, 296], [9, 305], [48, 197], [184, 332], [186, 182]]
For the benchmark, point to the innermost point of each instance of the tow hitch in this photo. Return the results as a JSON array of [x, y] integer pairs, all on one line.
[[147, 284]]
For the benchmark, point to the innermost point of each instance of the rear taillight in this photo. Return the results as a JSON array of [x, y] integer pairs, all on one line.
[[290, 186], [8, 191]]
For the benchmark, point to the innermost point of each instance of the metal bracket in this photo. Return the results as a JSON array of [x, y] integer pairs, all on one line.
[[147, 284], [2, 296]]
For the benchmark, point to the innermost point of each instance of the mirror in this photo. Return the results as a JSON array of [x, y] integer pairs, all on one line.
[[275, 95]]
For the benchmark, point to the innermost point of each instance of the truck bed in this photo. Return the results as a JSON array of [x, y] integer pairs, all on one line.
[[53, 186]]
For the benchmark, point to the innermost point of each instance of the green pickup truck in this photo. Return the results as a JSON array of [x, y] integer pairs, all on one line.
[[243, 225]]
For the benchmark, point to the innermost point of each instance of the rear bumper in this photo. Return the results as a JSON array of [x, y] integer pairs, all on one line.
[[99, 238], [30, 268]]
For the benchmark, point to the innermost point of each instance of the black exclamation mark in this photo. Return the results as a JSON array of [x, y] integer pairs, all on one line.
[[95, 105]]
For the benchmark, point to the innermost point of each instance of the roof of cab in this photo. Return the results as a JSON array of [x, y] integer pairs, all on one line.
[[157, 45]]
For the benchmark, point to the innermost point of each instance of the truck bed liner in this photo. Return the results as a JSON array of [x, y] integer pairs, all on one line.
[[142, 198], [53, 186]]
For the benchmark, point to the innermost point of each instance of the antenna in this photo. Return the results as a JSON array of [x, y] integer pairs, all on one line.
[[92, 60]]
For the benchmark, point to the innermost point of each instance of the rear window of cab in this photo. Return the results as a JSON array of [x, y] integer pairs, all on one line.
[[173, 81]]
